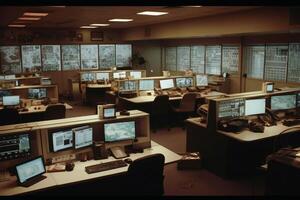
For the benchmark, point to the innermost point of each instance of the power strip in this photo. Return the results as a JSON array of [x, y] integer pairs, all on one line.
[[63, 158]]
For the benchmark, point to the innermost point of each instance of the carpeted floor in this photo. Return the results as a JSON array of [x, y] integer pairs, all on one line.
[[189, 182]]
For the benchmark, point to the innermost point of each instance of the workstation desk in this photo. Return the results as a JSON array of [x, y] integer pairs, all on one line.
[[231, 154], [95, 93]]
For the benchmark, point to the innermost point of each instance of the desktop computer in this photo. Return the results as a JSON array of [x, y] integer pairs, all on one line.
[[11, 100]]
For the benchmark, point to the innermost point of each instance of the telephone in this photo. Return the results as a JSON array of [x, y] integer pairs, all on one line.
[[158, 91], [192, 89], [269, 119], [118, 152], [234, 125]]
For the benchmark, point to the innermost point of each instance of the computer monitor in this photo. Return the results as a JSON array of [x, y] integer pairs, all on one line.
[[136, 74], [109, 112], [116, 75], [201, 80], [283, 102], [118, 131], [9, 77], [83, 137], [184, 82], [166, 84], [62, 140], [30, 169], [298, 100], [14, 146], [102, 76], [127, 86], [87, 76], [119, 75], [231, 108], [37, 93], [146, 85], [255, 106], [11, 100]]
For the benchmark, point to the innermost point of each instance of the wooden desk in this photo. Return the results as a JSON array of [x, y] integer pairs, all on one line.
[[94, 93], [41, 108], [59, 179]]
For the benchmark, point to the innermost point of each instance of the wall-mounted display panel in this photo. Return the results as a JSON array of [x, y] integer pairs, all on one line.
[[294, 63], [254, 58], [123, 55], [276, 62], [230, 59], [183, 58], [198, 58], [10, 59], [170, 58], [213, 60], [51, 58], [31, 58], [70, 57], [89, 56], [107, 55]]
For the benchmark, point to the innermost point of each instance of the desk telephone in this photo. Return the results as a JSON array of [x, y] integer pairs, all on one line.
[[234, 125], [118, 152], [269, 119]]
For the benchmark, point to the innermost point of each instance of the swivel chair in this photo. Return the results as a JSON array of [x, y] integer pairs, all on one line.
[[55, 111], [160, 109], [9, 116]]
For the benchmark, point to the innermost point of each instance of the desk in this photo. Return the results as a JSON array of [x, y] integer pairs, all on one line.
[[59, 179], [42, 108]]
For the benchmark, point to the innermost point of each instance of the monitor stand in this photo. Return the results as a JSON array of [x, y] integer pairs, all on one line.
[[118, 152], [33, 181]]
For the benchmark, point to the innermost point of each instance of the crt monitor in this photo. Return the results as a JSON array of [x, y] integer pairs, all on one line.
[[166, 84], [37, 93], [109, 112], [61, 140], [102, 76], [146, 85], [83, 137], [14, 146], [255, 106], [11, 100], [184, 82], [201, 80], [283, 102], [118, 131], [136, 74]]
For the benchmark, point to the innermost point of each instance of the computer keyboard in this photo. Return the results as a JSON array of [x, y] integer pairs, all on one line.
[[105, 166], [291, 122]]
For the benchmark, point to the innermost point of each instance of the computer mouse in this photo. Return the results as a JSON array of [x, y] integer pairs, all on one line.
[[128, 160], [69, 166]]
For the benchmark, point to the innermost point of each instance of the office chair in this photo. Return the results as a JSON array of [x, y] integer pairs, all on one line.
[[55, 111], [159, 114], [145, 175], [9, 116], [186, 107]]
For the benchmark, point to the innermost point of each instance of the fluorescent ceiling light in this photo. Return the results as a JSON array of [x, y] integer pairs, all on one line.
[[17, 25], [99, 24], [120, 20], [34, 14], [152, 13], [88, 27], [29, 18], [194, 6]]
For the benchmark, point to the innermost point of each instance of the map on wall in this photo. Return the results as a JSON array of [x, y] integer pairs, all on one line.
[[70, 57], [230, 59], [183, 58], [213, 60], [171, 58], [51, 57], [294, 63], [89, 56], [10, 59], [107, 55], [123, 55], [197, 58], [276, 62], [31, 58], [254, 58]]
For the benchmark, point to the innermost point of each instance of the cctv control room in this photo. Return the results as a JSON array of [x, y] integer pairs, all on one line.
[[190, 99]]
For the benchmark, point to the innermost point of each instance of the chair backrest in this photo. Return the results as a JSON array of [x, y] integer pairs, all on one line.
[[146, 175], [55, 111], [160, 105], [188, 102], [9, 116]]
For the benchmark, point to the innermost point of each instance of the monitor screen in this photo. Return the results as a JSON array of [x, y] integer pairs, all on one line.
[[102, 76], [30, 169], [283, 102], [14, 146], [37, 93], [122, 74], [184, 82], [136, 74], [62, 140], [201, 80], [231, 108], [119, 131], [255, 106], [146, 85], [88, 76], [109, 112], [298, 99], [11, 100], [127, 86], [8, 77], [166, 84], [83, 137], [116, 75], [270, 87]]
